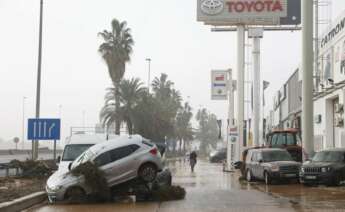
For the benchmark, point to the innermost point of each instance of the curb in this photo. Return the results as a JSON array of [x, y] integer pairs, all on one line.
[[23, 202]]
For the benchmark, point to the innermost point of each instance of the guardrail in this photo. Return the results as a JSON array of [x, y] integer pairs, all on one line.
[[7, 170]]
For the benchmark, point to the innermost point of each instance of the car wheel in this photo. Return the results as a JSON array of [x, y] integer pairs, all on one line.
[[75, 195], [268, 180], [147, 173], [336, 180], [249, 176]]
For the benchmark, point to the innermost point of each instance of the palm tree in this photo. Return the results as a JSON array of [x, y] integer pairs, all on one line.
[[116, 50], [162, 87], [130, 93], [183, 126]]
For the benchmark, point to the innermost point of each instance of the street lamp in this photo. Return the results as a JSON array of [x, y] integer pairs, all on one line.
[[38, 88], [149, 74], [23, 124]]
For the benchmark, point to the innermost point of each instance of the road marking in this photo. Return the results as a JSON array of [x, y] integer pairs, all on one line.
[[39, 129], [50, 129], [34, 129], [44, 129]]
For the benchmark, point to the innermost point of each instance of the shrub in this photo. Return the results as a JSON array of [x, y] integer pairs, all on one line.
[[32, 168], [95, 179], [168, 193]]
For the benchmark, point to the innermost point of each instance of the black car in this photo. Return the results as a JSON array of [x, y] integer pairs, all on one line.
[[218, 156], [270, 164], [327, 167]]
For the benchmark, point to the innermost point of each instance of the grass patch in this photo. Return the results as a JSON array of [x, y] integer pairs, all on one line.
[[95, 179]]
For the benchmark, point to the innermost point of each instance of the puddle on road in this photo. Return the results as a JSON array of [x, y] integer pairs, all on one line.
[[300, 196]]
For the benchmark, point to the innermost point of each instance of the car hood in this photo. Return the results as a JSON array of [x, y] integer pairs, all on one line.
[[319, 164], [61, 177], [284, 163]]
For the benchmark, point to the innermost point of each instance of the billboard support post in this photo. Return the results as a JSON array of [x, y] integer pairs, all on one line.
[[307, 81], [240, 90], [256, 34], [229, 155]]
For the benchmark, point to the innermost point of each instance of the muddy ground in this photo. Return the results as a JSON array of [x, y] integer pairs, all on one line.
[[15, 187]]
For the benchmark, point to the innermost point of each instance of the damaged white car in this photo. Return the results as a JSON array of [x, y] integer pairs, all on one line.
[[122, 159]]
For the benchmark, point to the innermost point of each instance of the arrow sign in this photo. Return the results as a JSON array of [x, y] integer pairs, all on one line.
[[44, 129]]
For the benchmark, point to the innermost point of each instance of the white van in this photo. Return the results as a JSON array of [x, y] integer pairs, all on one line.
[[77, 144]]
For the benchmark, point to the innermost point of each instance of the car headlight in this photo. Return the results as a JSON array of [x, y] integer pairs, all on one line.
[[275, 168], [302, 169], [54, 188], [325, 169]]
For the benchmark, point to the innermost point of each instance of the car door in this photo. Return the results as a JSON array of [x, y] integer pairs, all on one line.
[[103, 161], [260, 168], [122, 165], [254, 164]]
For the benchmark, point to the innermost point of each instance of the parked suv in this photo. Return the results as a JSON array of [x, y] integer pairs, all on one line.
[[270, 164], [122, 159], [326, 167]]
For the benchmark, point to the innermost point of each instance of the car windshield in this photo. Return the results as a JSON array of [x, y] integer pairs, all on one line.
[[281, 139], [72, 151], [329, 156], [86, 156], [271, 156]]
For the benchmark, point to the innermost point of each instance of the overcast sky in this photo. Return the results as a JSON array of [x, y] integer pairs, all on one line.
[[75, 77]]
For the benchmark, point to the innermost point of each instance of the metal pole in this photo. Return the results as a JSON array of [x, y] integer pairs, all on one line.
[[149, 74], [54, 150], [38, 89], [23, 124], [316, 43], [256, 90], [240, 89], [307, 82], [230, 115]]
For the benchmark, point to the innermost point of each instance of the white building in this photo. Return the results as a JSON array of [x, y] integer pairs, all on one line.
[[329, 97], [329, 92]]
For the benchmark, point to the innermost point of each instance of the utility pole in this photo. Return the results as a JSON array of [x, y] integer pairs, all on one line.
[[149, 74], [307, 81], [38, 88]]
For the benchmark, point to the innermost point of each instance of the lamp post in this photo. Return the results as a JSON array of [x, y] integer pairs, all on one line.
[[149, 74], [38, 88], [23, 123]]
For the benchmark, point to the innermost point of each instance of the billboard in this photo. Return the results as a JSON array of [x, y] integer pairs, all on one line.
[[249, 12], [219, 82]]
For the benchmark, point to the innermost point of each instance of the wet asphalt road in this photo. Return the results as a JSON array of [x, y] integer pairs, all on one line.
[[210, 189]]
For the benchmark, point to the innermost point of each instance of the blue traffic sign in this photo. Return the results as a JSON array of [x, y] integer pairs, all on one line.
[[44, 129]]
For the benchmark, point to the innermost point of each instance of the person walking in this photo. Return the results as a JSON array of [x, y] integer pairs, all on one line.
[[192, 160]]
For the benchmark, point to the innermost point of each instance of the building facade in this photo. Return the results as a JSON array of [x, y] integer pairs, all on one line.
[[329, 92]]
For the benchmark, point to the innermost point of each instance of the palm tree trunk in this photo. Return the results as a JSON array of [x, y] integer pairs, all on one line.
[[129, 126], [180, 145], [117, 107]]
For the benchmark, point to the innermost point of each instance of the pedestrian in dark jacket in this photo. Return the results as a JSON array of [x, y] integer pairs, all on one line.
[[192, 160]]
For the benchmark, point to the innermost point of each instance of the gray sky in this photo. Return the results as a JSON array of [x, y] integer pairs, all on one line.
[[74, 76]]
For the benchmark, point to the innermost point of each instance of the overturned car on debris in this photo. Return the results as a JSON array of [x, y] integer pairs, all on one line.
[[123, 159]]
